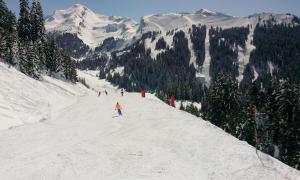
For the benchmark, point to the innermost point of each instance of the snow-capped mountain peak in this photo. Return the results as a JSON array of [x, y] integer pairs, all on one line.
[[90, 27], [206, 11]]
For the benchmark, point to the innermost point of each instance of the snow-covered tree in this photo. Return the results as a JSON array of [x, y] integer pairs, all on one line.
[[7, 34], [285, 119], [53, 57], [224, 107], [24, 26]]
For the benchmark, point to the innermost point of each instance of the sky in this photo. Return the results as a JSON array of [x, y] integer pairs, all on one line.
[[137, 8]]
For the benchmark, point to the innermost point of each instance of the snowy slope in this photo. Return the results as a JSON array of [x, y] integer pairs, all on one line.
[[85, 140], [90, 27], [169, 21], [24, 100]]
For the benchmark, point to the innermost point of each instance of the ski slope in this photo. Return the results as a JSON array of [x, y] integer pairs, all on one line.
[[83, 139], [24, 100]]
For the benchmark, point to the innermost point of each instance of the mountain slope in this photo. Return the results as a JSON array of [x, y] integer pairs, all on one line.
[[24, 100], [169, 21], [86, 141], [90, 27]]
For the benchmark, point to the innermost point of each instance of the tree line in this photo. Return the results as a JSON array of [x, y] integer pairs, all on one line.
[[266, 117], [25, 44]]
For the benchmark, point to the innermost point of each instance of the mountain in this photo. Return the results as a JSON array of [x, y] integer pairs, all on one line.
[[166, 25], [90, 27], [165, 22], [79, 136], [83, 31], [88, 35]]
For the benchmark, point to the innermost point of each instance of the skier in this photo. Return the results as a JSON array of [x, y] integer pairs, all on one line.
[[172, 101], [106, 92], [143, 94], [122, 92], [119, 108], [99, 94]]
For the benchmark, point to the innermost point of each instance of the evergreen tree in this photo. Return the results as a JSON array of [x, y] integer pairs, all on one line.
[[37, 22], [3, 16], [32, 61], [24, 35], [7, 34], [34, 22], [53, 57], [68, 66], [39, 36], [102, 74], [28, 59], [249, 128], [286, 118], [24, 26], [224, 107]]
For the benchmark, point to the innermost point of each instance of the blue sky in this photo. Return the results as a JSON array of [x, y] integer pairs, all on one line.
[[137, 8]]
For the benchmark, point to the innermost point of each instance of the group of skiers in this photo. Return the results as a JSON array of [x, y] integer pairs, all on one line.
[[99, 94], [118, 106]]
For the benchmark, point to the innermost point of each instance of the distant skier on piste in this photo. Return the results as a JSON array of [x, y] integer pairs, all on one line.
[[122, 92], [143, 94], [119, 108]]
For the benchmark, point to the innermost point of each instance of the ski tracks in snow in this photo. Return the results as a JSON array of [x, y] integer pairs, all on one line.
[[150, 141]]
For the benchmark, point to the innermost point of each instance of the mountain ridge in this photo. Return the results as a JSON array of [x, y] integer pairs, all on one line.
[[90, 27], [93, 28]]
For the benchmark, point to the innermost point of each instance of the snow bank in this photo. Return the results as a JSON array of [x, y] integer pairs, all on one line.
[[24, 100]]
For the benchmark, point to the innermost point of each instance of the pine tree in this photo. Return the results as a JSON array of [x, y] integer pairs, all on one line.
[[11, 40], [28, 59], [38, 31], [24, 36], [249, 128], [2, 42], [102, 74], [37, 22], [286, 118], [3, 16], [224, 107], [34, 22], [68, 66], [53, 57], [24, 26], [7, 34], [32, 61]]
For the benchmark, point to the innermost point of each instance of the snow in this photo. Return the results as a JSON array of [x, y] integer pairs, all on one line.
[[255, 74], [119, 70], [187, 103], [271, 67], [24, 100], [244, 54], [206, 11], [171, 21], [90, 27], [207, 60], [83, 138], [149, 44], [192, 51]]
